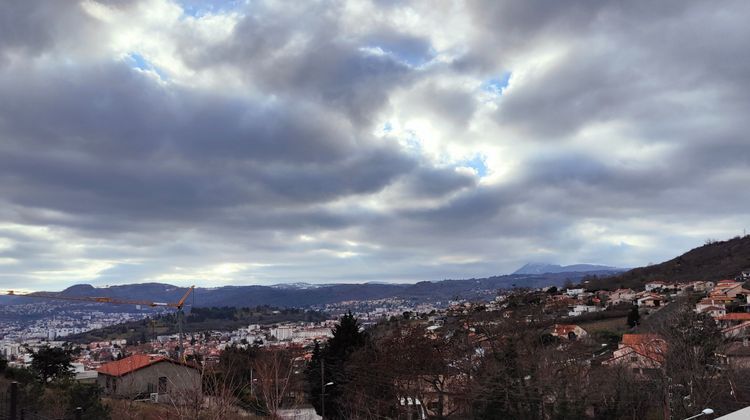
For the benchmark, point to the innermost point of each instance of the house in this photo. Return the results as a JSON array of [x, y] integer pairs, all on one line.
[[642, 353], [702, 286], [82, 375], [568, 331], [574, 292], [712, 301], [150, 376], [581, 309], [737, 354], [649, 300], [654, 285], [729, 288], [620, 296], [733, 318], [715, 311]]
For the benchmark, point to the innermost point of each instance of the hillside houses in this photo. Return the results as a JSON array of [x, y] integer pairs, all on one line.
[[621, 296], [585, 325], [640, 353], [575, 292], [655, 285], [713, 301], [729, 288], [582, 308], [649, 300], [702, 286], [568, 331], [723, 294]]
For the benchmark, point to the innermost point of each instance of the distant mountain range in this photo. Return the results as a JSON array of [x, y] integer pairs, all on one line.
[[303, 295], [542, 268], [713, 261]]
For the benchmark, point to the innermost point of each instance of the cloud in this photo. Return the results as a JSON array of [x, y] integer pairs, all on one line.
[[155, 140]]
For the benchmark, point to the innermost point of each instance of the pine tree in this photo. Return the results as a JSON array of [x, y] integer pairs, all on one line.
[[634, 318], [50, 363], [328, 366]]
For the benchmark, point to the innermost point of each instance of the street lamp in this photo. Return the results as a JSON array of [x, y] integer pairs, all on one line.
[[323, 400], [705, 412]]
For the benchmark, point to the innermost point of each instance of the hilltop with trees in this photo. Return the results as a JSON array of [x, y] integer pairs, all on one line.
[[715, 260]]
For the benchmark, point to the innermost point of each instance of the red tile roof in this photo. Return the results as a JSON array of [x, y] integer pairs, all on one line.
[[649, 345], [133, 363], [129, 364], [727, 282], [634, 339], [735, 316]]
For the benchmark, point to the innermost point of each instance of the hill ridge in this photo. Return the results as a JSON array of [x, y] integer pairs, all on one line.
[[715, 260]]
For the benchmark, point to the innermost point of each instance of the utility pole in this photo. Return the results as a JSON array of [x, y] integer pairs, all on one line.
[[13, 400], [322, 388], [668, 402]]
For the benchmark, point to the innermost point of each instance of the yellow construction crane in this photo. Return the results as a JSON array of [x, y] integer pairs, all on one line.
[[102, 299]]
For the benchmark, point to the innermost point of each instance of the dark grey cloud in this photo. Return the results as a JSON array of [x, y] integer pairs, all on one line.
[[113, 139], [33, 25], [320, 64], [430, 182], [410, 49]]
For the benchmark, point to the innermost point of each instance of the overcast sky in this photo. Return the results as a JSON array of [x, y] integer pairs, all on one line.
[[262, 142]]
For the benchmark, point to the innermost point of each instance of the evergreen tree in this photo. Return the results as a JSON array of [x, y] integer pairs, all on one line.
[[88, 397], [328, 365], [51, 363], [634, 318]]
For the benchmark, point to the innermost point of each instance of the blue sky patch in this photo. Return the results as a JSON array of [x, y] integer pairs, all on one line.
[[139, 62], [198, 8], [478, 163], [497, 85]]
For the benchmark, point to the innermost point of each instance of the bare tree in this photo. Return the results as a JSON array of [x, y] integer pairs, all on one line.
[[691, 373], [275, 370]]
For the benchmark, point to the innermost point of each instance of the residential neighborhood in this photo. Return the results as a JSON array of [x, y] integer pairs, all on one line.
[[582, 321]]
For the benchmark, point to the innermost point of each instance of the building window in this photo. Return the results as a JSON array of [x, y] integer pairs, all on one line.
[[162, 385]]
